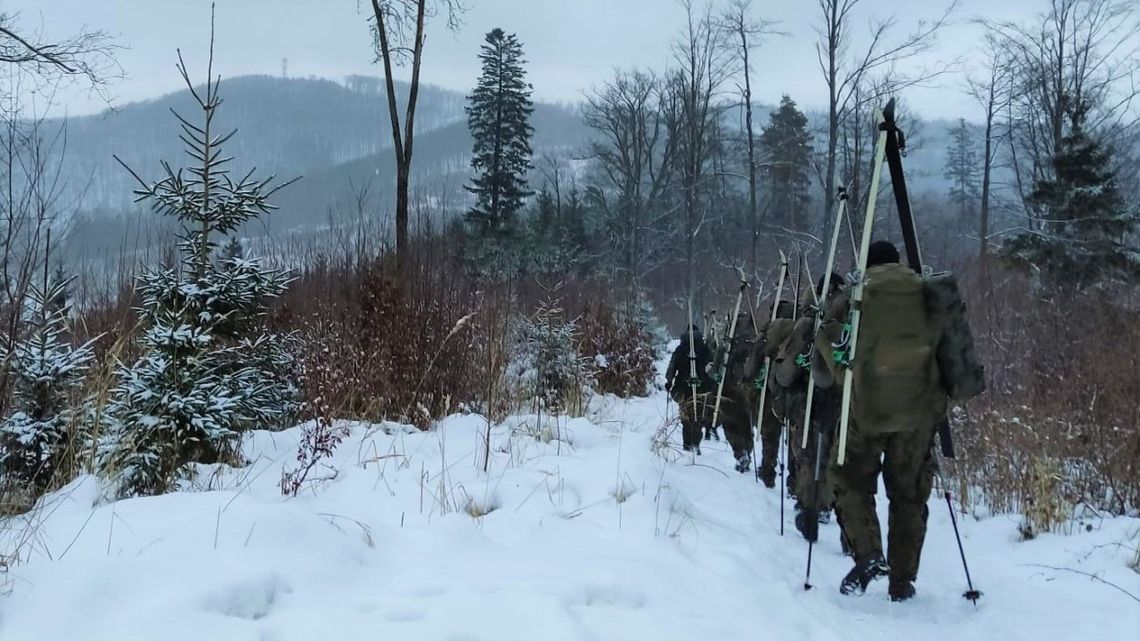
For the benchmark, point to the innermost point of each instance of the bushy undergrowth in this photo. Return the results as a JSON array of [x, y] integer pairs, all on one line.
[[1057, 436]]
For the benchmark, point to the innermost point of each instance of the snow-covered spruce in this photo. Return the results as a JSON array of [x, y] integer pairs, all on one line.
[[45, 371], [208, 371]]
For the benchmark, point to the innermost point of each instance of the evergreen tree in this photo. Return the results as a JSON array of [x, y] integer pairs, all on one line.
[[1083, 234], [45, 370], [786, 146], [208, 370], [232, 249], [962, 168], [498, 115]]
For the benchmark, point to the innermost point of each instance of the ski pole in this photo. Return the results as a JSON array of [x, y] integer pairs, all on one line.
[[811, 511], [970, 594], [783, 460]]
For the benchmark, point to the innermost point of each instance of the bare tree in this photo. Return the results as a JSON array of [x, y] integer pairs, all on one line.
[[634, 156], [88, 56], [746, 32], [701, 72], [399, 31], [845, 69], [991, 92]]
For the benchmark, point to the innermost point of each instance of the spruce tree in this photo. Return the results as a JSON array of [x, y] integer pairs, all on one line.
[[208, 371], [1085, 231], [46, 371], [962, 169], [786, 146], [498, 115]]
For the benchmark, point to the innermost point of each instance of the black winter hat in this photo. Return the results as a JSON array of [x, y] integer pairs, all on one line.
[[836, 282], [882, 252]]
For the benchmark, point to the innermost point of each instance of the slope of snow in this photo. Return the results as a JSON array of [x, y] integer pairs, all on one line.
[[590, 530]]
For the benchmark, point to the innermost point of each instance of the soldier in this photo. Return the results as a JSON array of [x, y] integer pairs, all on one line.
[[735, 403], [770, 422], [680, 387], [898, 399], [813, 503]]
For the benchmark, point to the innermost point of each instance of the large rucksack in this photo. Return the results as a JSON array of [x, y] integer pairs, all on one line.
[[963, 376], [897, 383]]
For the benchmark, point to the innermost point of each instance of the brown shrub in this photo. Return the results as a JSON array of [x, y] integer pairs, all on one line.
[[1059, 429]]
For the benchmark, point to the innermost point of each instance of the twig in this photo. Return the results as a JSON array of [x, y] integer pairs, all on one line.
[[1088, 574]]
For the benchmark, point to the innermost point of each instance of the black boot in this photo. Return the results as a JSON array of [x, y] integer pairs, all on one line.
[[743, 463], [901, 590], [808, 525], [767, 477], [863, 573]]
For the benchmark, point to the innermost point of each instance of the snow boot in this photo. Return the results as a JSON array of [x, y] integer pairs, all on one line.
[[767, 477], [743, 463], [863, 573], [901, 591]]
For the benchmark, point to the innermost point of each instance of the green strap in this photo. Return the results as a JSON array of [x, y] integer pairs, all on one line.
[[758, 382]]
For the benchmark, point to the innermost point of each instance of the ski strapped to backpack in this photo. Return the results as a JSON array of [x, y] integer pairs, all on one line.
[[727, 349], [858, 286], [765, 370], [895, 148], [824, 299]]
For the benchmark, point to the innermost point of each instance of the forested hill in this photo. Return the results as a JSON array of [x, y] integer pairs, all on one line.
[[285, 126], [337, 136]]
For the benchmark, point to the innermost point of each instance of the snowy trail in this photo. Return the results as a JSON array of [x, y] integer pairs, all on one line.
[[596, 537]]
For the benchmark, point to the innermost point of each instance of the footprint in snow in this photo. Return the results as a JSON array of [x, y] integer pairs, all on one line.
[[251, 599]]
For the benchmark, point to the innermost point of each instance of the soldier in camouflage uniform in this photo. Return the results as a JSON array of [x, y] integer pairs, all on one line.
[[898, 399], [680, 388], [736, 405], [813, 504], [770, 422]]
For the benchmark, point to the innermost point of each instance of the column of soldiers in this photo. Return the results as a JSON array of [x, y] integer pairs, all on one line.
[[900, 394]]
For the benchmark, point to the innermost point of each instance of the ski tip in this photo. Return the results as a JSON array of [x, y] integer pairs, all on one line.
[[889, 111]]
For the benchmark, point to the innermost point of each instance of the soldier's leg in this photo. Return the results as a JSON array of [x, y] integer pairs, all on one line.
[[908, 473], [855, 483], [770, 427], [690, 426], [738, 431]]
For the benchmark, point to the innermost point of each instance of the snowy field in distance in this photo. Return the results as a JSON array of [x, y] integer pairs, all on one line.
[[598, 535]]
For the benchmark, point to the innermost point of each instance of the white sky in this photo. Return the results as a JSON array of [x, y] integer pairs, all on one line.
[[571, 44]]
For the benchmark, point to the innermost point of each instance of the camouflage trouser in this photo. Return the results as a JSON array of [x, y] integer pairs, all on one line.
[[692, 426], [907, 463], [736, 417], [770, 428], [824, 417]]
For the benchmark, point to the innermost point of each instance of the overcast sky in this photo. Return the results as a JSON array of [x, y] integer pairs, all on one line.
[[571, 44]]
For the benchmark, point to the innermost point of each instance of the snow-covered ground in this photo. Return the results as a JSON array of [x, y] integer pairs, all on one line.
[[581, 531]]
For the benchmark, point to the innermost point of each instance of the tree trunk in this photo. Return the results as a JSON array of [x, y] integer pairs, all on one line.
[[403, 172], [987, 167]]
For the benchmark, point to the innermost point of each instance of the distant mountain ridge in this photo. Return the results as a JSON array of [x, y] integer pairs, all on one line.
[[336, 135]]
